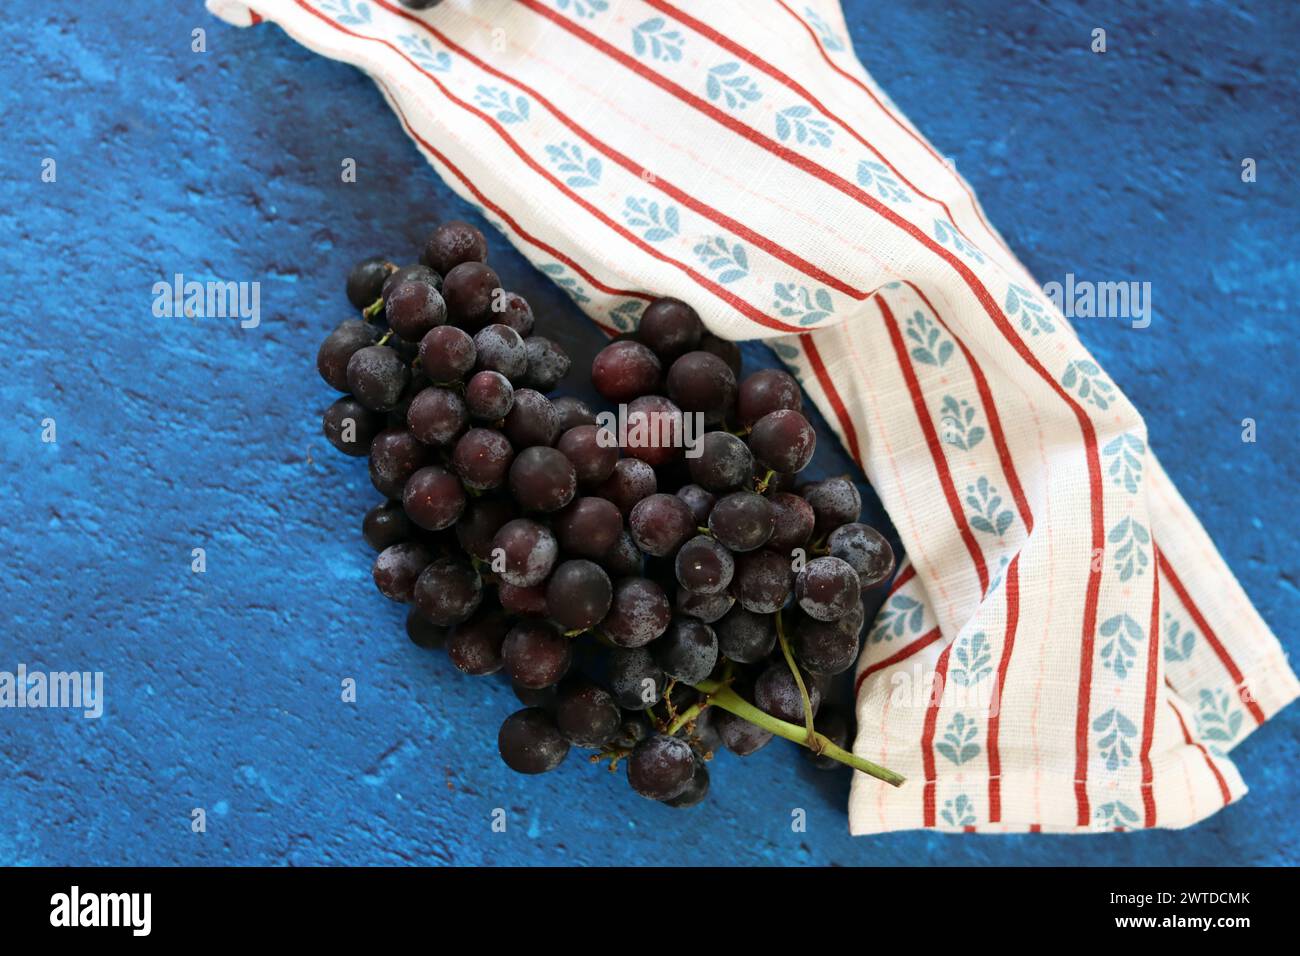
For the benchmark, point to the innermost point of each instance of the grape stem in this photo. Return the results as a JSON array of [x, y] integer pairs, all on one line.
[[761, 485], [798, 679], [720, 694], [373, 309]]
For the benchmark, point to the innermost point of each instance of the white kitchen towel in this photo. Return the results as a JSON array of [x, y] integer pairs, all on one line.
[[1064, 650]]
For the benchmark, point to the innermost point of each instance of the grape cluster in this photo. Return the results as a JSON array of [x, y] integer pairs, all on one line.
[[619, 587]]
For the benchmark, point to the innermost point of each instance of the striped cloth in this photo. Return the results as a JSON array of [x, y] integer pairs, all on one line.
[[1064, 649]]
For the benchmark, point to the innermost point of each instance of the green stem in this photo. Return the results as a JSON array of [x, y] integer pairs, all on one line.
[[798, 679], [384, 339], [720, 695], [373, 309], [761, 485]]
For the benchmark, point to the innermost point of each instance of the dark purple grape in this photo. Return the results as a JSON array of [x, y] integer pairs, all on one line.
[[624, 370], [794, 522], [687, 651], [542, 479], [703, 607], [866, 549], [395, 455], [524, 552], [631, 481], [828, 647], [536, 654], [740, 736], [638, 613], [699, 501], [543, 697], [482, 459], [776, 693], [723, 464], [351, 427], [398, 567], [377, 376], [703, 566], [654, 431], [660, 524], [448, 591], [827, 588], [586, 714], [724, 349], [670, 328], [479, 523], [453, 242], [547, 363], [414, 273], [635, 679], [489, 396], [833, 724], [661, 767], [532, 420], [339, 347], [433, 498], [783, 441], [746, 637], [470, 289], [766, 391], [475, 646], [834, 501], [512, 309], [436, 416], [413, 309], [501, 349], [529, 741], [366, 280], [706, 739], [742, 521], [701, 382], [447, 354], [522, 602], [593, 451], [571, 412], [624, 558], [578, 594], [588, 527], [423, 633], [696, 790], [633, 729], [764, 580], [385, 524]]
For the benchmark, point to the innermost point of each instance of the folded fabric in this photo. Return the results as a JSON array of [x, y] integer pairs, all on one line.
[[1064, 650]]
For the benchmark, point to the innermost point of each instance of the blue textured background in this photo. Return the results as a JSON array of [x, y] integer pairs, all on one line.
[[223, 688]]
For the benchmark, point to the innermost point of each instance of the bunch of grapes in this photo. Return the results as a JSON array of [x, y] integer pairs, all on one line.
[[649, 601]]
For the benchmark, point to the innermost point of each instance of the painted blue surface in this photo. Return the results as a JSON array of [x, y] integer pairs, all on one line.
[[223, 688]]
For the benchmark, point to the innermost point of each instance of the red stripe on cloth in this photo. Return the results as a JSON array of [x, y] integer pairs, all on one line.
[[731, 299], [833, 396], [908, 573], [927, 737], [902, 654], [935, 446], [906, 129], [254, 18], [995, 718], [1187, 738], [505, 216], [1149, 710], [735, 49], [1239, 679], [639, 169]]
